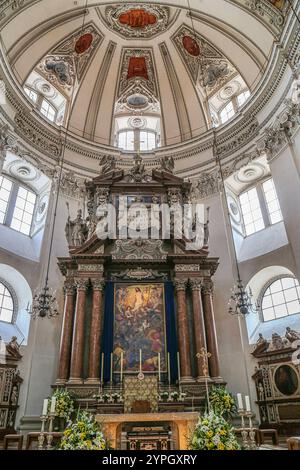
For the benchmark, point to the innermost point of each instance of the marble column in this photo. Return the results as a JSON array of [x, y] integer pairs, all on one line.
[[78, 334], [199, 328], [183, 331], [66, 335], [210, 326], [95, 334]]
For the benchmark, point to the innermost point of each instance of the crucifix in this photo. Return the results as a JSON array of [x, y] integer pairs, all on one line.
[[137, 140], [205, 355]]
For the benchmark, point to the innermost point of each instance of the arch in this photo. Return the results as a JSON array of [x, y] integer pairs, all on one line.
[[22, 294]]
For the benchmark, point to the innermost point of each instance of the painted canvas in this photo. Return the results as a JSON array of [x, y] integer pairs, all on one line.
[[139, 325]]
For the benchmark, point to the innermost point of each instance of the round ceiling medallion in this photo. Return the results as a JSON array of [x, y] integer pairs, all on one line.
[[137, 18], [22, 170], [229, 90], [83, 43], [137, 122], [250, 173], [191, 46]]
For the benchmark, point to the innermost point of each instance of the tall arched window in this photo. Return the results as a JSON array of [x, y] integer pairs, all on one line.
[[280, 298], [6, 304]]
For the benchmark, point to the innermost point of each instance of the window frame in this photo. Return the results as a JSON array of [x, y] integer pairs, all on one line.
[[136, 135], [50, 106], [12, 204], [230, 102], [14, 300], [263, 205], [263, 291]]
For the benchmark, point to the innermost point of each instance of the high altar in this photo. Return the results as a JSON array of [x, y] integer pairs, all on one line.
[[138, 344]]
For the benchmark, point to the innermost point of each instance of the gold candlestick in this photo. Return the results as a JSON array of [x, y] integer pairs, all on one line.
[[50, 431], [41, 437]]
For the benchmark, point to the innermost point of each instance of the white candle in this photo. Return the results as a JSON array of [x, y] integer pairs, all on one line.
[[53, 405], [140, 360], [178, 366], [247, 401], [45, 407], [169, 370], [159, 372], [102, 368], [111, 367], [240, 401], [121, 378]]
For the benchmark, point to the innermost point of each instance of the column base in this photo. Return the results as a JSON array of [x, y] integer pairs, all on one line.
[[187, 380], [203, 379], [91, 381], [61, 382], [218, 380], [75, 381]]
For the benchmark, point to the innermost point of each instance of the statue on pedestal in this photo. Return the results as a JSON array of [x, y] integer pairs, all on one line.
[[13, 348], [292, 335], [76, 230], [262, 345]]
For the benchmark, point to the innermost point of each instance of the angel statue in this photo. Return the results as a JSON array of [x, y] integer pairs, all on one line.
[[292, 335], [167, 164]]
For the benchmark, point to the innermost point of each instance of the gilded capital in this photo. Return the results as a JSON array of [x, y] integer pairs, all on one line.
[[69, 287], [196, 284], [207, 286], [81, 284], [98, 284], [180, 284]]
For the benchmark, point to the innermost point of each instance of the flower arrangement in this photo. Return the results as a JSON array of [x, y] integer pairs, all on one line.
[[83, 434], [64, 403], [222, 402], [175, 396], [213, 432]]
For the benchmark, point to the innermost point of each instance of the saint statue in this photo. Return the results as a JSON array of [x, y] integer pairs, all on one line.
[[76, 230], [13, 348], [291, 335]]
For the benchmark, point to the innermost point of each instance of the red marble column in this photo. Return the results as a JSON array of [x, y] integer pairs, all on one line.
[[210, 326], [66, 335], [78, 334], [183, 331], [199, 328], [95, 334]]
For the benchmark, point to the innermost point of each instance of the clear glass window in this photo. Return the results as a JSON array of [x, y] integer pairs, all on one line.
[[252, 215], [281, 299], [6, 304], [48, 110], [126, 140], [23, 211], [147, 140], [243, 97], [32, 95], [272, 201], [5, 191], [227, 112]]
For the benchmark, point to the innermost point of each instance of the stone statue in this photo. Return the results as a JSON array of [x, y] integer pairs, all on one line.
[[91, 226], [13, 348], [262, 345], [76, 230], [206, 229], [277, 342], [137, 173], [108, 164], [14, 395], [261, 392], [167, 164], [291, 335]]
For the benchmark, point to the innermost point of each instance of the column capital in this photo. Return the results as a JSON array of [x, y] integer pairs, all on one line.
[[196, 284], [98, 284], [180, 284], [207, 286], [69, 287], [81, 284]]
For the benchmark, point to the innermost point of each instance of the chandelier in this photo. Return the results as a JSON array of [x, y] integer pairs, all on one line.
[[241, 301], [44, 304]]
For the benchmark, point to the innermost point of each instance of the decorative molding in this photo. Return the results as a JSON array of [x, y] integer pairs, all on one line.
[[139, 274], [185, 268], [180, 284], [207, 287], [124, 18], [264, 9], [196, 284], [92, 268], [139, 249], [98, 284], [81, 284]]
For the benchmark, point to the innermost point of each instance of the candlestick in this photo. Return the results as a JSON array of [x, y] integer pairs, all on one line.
[[169, 370], [159, 371], [240, 401], [41, 437], [111, 367], [247, 401], [121, 365], [45, 407], [140, 361], [178, 366], [102, 369], [53, 405]]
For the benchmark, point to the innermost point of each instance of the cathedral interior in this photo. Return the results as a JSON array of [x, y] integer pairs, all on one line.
[[149, 224]]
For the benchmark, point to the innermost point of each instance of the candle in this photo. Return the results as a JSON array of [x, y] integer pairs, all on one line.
[[140, 360], [240, 401], [45, 407], [53, 405], [121, 378], [169, 370], [102, 368], [178, 366], [247, 401], [159, 371], [111, 367]]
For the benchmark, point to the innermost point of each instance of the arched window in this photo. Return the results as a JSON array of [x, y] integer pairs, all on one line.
[[6, 304], [280, 298]]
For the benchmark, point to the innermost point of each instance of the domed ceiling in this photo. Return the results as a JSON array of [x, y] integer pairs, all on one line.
[[106, 60]]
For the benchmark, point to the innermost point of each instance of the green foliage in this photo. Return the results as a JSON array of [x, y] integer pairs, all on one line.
[[222, 402], [84, 434], [64, 403]]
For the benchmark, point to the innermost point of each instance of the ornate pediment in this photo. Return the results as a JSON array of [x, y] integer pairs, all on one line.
[[139, 250]]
